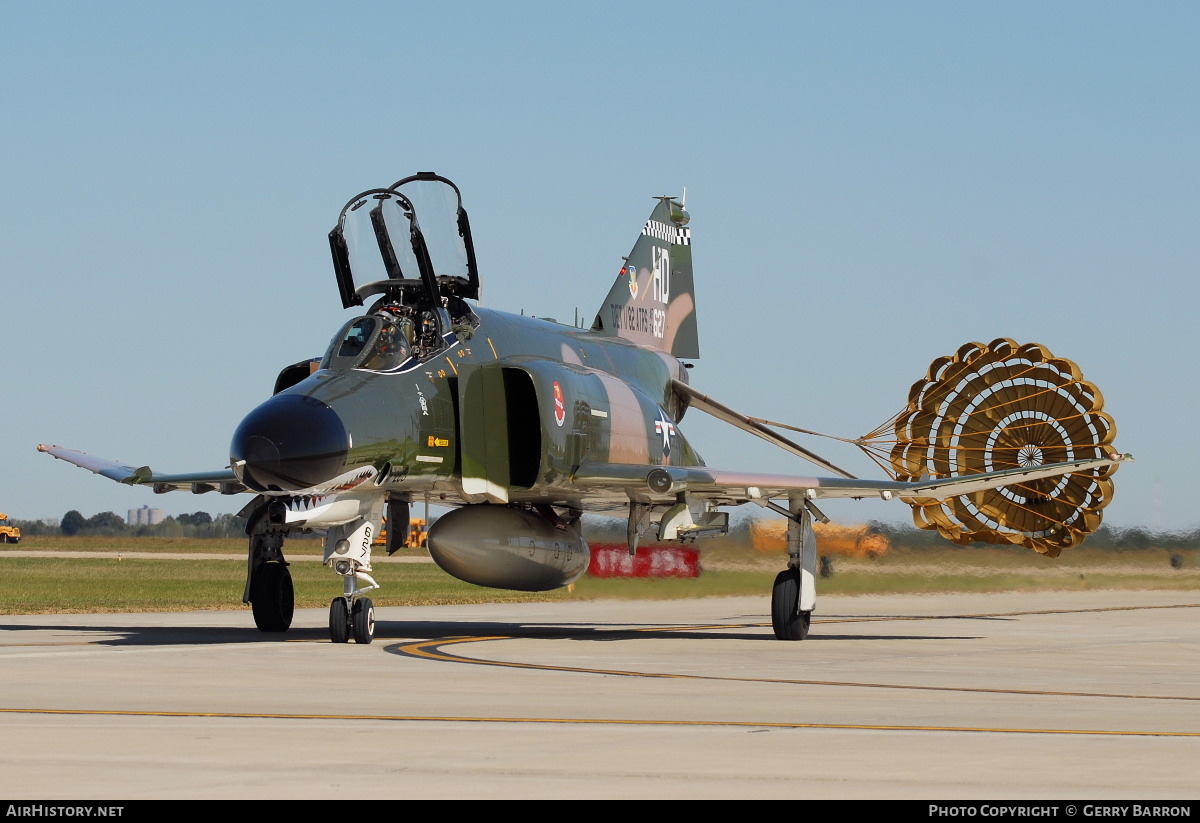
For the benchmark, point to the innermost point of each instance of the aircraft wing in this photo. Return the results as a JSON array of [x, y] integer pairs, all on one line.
[[735, 487], [223, 480]]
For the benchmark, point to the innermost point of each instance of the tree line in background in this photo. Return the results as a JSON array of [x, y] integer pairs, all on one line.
[[204, 525], [111, 524]]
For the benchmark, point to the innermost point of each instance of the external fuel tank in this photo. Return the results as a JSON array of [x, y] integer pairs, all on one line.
[[508, 548]]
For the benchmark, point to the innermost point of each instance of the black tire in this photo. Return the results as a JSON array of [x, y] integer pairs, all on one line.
[[272, 597], [3, 538], [789, 624], [362, 620], [339, 621]]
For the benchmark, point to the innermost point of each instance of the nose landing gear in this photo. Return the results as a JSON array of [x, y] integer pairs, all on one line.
[[348, 551]]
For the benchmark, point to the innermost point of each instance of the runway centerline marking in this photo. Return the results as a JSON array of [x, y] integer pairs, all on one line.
[[589, 721]]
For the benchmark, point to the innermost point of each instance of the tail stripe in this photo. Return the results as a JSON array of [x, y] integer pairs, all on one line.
[[675, 235]]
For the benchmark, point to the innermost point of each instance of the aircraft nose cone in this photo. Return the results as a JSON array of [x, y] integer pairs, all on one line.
[[290, 442]]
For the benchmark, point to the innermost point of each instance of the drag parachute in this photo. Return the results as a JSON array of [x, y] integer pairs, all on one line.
[[1002, 406]]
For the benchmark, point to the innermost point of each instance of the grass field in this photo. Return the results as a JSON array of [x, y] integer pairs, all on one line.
[[135, 582]]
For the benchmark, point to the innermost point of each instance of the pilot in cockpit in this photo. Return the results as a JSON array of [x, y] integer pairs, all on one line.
[[390, 349], [429, 340]]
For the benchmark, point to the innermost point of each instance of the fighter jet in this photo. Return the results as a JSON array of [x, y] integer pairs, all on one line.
[[518, 425]]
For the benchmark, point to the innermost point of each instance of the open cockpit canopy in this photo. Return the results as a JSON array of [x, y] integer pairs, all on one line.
[[446, 230], [410, 242]]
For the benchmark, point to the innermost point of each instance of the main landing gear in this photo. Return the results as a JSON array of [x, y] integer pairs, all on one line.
[[794, 595], [269, 589]]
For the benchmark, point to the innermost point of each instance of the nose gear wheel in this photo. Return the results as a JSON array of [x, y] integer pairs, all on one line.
[[339, 621], [362, 620]]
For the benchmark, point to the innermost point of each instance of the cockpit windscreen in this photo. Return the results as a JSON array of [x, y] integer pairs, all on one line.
[[372, 343]]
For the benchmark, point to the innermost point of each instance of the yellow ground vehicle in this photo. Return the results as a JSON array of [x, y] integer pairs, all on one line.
[[8, 532], [832, 538], [417, 534]]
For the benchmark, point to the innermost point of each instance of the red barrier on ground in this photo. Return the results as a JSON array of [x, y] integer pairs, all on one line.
[[650, 561]]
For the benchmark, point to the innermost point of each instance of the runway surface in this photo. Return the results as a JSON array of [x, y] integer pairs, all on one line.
[[1087, 695]]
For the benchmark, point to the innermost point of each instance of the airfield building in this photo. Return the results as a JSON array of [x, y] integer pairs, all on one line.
[[145, 516]]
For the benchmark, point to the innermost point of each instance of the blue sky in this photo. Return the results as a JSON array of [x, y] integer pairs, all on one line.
[[871, 185]]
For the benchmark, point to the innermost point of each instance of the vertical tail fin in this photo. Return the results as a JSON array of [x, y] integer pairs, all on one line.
[[653, 302]]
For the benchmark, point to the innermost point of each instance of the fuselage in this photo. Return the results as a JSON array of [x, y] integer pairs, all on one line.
[[517, 405]]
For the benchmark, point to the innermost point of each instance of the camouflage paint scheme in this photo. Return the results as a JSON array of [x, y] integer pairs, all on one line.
[[519, 422]]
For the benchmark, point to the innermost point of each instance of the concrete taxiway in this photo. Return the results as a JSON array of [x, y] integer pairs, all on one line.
[[1065, 695]]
